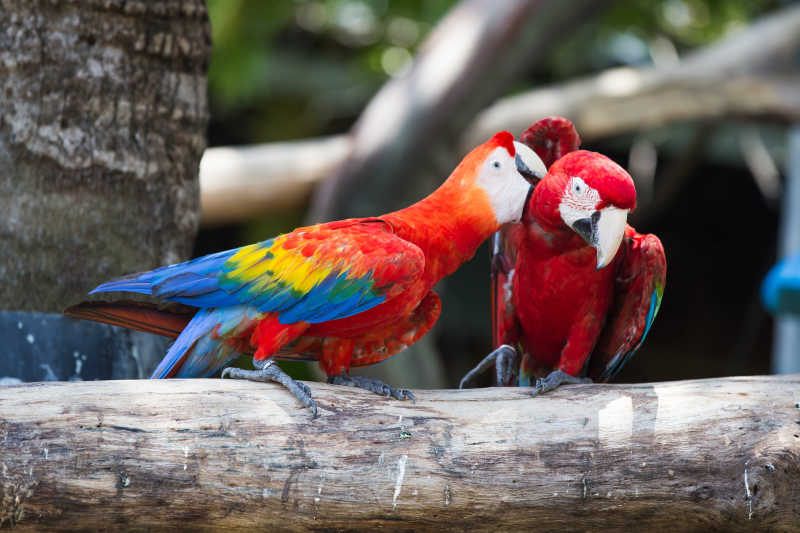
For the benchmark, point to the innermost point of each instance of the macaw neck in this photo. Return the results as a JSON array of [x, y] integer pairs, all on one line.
[[543, 204], [448, 226], [553, 235]]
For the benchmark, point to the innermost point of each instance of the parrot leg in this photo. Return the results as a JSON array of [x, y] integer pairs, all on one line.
[[555, 379], [506, 364], [371, 384], [266, 371]]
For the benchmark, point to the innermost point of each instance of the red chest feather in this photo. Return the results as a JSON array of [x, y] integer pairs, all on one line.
[[557, 286]]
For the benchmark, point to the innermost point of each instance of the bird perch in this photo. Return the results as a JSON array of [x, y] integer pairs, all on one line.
[[718, 454]]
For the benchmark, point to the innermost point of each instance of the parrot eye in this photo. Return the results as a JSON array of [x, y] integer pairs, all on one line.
[[496, 164], [579, 186]]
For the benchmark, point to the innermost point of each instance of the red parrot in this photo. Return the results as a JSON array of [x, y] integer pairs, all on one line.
[[345, 293], [574, 287]]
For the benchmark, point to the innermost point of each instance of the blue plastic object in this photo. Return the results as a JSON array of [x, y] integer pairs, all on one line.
[[780, 291]]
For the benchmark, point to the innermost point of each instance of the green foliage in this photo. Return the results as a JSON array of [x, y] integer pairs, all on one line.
[[293, 69], [688, 23], [633, 32], [288, 69]]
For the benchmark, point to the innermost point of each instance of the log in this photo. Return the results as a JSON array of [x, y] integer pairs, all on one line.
[[201, 455], [239, 183]]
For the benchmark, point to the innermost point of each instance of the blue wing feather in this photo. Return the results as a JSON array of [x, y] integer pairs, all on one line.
[[222, 280], [196, 353]]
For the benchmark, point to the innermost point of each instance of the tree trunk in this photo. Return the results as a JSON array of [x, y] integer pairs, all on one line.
[[102, 122], [220, 455]]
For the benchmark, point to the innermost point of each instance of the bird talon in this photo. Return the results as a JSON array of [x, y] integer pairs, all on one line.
[[554, 380], [268, 371], [506, 362], [370, 384]]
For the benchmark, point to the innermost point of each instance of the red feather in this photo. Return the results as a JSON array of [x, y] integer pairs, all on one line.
[[548, 297], [552, 138], [161, 319]]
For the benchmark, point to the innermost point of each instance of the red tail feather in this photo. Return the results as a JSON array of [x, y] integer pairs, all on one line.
[[167, 320]]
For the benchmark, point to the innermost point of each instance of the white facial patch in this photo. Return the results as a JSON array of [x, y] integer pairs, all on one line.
[[578, 201], [506, 188]]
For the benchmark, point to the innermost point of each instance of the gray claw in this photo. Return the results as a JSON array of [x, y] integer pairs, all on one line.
[[555, 379], [373, 385], [267, 371], [505, 361]]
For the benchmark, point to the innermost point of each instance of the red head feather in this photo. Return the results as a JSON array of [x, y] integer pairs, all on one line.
[[598, 171], [551, 138], [504, 139], [613, 183]]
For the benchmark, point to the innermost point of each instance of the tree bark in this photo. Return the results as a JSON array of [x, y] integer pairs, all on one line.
[[705, 455], [102, 123]]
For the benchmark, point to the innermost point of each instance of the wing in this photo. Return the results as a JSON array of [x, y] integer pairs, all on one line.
[[313, 274], [637, 297], [504, 256], [551, 138]]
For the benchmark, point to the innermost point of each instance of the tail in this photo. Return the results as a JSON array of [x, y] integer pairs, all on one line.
[[167, 320], [212, 339]]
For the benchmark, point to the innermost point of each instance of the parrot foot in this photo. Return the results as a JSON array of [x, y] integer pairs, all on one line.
[[267, 371], [506, 365], [555, 379], [371, 384]]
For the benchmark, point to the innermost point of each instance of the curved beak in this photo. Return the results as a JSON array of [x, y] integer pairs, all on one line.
[[604, 231], [528, 163]]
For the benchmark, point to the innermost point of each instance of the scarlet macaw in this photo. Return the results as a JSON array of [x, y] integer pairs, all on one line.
[[574, 287], [345, 293]]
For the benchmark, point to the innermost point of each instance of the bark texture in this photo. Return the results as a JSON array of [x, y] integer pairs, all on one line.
[[102, 122], [220, 455]]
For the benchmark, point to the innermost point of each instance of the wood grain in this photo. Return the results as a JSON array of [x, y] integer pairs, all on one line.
[[721, 454]]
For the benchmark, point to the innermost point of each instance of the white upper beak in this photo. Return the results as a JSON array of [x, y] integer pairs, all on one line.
[[529, 164], [609, 233]]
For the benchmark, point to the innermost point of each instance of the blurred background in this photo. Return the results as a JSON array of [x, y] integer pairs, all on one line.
[[709, 181], [695, 98], [327, 109]]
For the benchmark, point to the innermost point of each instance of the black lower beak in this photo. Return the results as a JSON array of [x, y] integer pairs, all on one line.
[[587, 228], [526, 172]]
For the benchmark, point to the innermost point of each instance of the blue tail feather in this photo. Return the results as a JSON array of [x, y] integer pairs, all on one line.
[[195, 354]]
